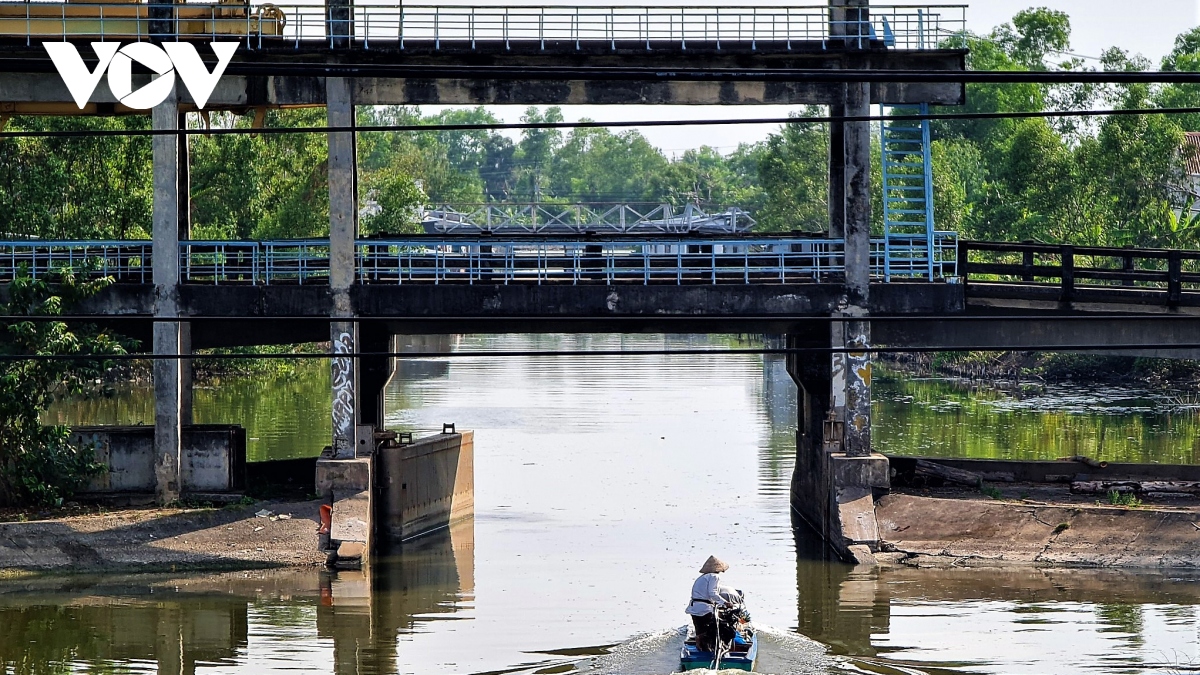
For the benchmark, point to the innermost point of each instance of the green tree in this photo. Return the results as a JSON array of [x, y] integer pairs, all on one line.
[[535, 153], [793, 174], [596, 165], [88, 187], [41, 465]]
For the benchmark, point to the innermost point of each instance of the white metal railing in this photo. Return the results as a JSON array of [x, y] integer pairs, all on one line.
[[598, 218], [486, 260], [559, 27]]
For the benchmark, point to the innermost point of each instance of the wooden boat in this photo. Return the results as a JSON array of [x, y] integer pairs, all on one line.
[[742, 654]]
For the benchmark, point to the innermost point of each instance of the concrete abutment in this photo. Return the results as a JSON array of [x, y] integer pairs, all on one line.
[[834, 489]]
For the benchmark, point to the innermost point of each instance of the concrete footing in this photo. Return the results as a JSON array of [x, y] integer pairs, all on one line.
[[835, 484], [347, 486], [399, 492]]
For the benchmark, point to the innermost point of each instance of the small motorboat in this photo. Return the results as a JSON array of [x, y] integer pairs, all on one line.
[[740, 653]]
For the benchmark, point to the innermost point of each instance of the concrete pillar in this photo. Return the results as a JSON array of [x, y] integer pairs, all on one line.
[[338, 22], [832, 490], [344, 389], [186, 370], [345, 479], [343, 228], [373, 372], [858, 371], [858, 271], [846, 19], [166, 338], [837, 169], [186, 375], [858, 195], [185, 183]]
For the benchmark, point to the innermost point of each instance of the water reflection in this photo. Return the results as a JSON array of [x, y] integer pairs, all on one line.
[[999, 620], [182, 624], [948, 418], [601, 485]]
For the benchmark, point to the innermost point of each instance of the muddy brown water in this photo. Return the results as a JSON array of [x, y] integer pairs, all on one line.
[[601, 485]]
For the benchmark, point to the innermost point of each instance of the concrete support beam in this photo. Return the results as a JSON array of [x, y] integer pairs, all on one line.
[[166, 336], [374, 372], [185, 183], [835, 484], [857, 365], [837, 169], [342, 335], [343, 228], [343, 198], [847, 19], [186, 375], [347, 485], [858, 196]]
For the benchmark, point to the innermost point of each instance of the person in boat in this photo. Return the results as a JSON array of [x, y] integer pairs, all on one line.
[[708, 595]]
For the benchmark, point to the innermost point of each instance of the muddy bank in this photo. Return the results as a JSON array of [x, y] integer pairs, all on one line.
[[1035, 525], [166, 539]]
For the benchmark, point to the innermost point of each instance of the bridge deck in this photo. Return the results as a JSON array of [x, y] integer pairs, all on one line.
[[395, 26], [494, 260]]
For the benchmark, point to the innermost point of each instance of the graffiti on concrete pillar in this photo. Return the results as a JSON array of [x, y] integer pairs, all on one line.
[[343, 396], [858, 390]]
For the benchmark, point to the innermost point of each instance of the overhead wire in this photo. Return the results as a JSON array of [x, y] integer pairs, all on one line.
[[682, 318], [574, 353], [586, 124]]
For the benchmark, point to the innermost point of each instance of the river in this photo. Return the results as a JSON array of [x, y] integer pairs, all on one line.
[[601, 485]]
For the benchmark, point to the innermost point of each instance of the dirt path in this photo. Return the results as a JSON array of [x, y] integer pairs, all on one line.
[[166, 539]]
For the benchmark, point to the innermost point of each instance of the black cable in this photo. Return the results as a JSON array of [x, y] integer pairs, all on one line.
[[588, 124], [890, 318], [602, 352]]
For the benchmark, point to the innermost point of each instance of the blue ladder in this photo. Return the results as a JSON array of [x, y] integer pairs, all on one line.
[[907, 194]]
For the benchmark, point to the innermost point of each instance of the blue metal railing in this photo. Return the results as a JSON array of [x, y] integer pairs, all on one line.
[[491, 260]]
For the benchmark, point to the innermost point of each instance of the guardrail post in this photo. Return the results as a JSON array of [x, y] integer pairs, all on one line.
[[1127, 267], [1027, 264], [1068, 273], [1174, 277], [963, 262]]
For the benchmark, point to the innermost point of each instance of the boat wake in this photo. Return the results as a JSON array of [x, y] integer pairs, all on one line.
[[780, 653]]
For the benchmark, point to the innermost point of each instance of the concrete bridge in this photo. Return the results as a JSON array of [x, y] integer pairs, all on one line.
[[178, 294]]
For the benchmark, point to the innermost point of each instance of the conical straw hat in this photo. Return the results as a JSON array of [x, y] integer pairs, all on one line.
[[713, 564]]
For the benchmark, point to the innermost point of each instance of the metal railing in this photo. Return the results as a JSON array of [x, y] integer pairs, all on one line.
[[1070, 273], [488, 260], [608, 262], [38, 20], [597, 218], [901, 27], [124, 261]]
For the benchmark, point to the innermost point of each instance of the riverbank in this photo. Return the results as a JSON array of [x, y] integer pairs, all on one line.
[[1010, 369], [263, 534], [1034, 524]]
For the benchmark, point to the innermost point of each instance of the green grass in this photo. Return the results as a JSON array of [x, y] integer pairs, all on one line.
[[1124, 499]]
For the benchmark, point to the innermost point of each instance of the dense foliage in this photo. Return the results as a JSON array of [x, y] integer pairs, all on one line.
[[1106, 181], [41, 464]]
